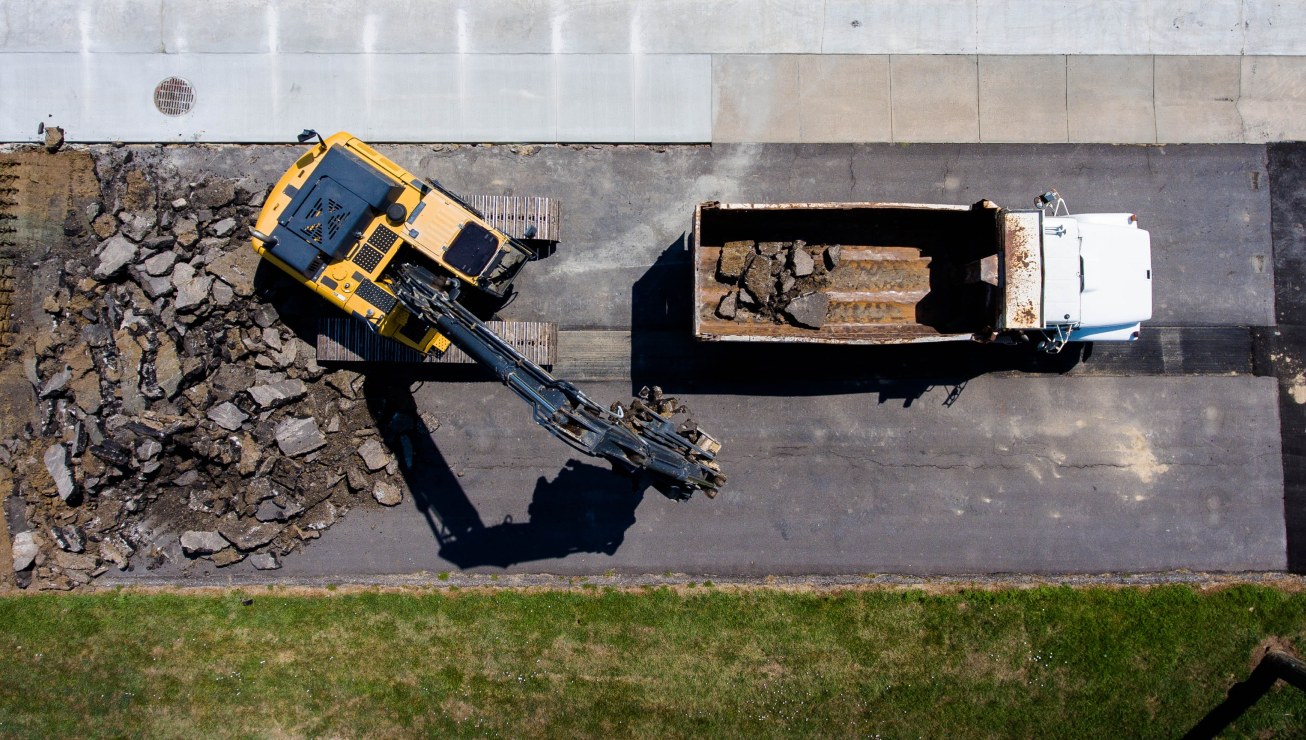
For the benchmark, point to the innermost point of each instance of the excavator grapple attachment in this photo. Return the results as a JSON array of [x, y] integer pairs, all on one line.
[[640, 440]]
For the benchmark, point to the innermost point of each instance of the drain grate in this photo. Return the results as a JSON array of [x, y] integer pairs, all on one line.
[[174, 97]]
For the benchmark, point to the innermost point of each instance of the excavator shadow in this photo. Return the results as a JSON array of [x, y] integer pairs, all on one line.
[[584, 509]]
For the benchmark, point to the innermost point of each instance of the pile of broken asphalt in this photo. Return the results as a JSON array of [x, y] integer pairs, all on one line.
[[179, 414], [779, 282]]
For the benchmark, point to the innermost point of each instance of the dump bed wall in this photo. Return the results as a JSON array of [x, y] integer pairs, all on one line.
[[894, 240]]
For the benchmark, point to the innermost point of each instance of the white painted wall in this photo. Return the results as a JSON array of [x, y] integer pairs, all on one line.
[[379, 97], [1256, 27]]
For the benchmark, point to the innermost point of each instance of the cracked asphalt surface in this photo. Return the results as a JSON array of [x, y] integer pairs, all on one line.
[[945, 470]]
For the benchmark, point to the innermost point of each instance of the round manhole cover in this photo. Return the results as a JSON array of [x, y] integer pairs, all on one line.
[[174, 97]]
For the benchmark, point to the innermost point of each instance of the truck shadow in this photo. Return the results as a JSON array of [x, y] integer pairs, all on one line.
[[583, 509], [663, 352]]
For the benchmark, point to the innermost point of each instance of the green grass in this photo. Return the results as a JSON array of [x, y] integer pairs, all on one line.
[[1044, 663]]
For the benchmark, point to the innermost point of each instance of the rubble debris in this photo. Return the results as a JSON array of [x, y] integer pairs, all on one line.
[[809, 310], [832, 256], [248, 536], [195, 543], [53, 138], [802, 263], [69, 538], [297, 436], [25, 550], [160, 264], [115, 254], [265, 561], [56, 463], [230, 556], [373, 454], [733, 260], [236, 268], [387, 494], [269, 511], [57, 382], [275, 395], [727, 308], [759, 281], [343, 381], [227, 415], [356, 480], [116, 550], [176, 400], [223, 227], [777, 281]]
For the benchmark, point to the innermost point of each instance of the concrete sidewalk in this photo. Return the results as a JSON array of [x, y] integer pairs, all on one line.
[[660, 98], [1026, 99]]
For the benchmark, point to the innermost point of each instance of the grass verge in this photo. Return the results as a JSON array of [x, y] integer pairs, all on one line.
[[751, 663]]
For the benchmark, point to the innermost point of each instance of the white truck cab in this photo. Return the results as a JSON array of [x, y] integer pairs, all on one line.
[[1097, 277]]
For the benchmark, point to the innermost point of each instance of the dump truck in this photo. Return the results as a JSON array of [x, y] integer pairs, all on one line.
[[395, 251], [906, 273]]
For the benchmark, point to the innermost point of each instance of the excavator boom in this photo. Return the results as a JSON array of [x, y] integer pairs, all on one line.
[[640, 440]]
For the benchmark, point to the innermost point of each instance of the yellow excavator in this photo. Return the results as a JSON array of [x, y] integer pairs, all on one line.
[[394, 251], [344, 218]]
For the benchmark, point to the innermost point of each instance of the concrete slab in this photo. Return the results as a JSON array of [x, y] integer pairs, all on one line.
[[1023, 99], [1274, 25], [925, 27], [673, 97], [509, 97], [271, 97], [844, 98], [1110, 99], [1018, 475], [1197, 99], [935, 98], [1273, 99], [1090, 27], [595, 97], [755, 98]]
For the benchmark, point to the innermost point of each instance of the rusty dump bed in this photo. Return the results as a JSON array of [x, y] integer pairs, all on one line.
[[901, 276]]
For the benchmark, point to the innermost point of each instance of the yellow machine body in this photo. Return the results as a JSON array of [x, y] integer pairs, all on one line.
[[343, 216]]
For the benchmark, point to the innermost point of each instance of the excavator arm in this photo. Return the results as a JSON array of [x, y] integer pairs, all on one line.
[[640, 440]]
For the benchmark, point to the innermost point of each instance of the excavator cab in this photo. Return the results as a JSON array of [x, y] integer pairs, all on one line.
[[344, 219]]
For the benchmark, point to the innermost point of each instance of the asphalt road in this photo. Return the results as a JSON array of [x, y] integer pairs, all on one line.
[[627, 212], [857, 462], [1030, 475]]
